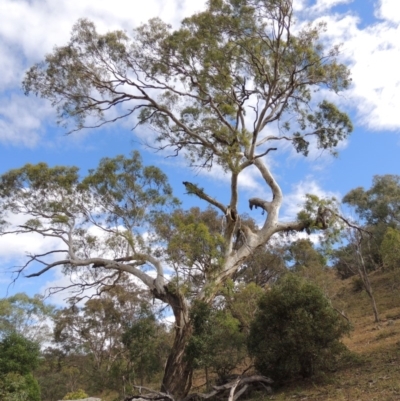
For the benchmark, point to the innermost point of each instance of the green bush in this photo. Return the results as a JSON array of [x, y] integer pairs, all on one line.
[[18, 354], [295, 331], [15, 387], [217, 343], [75, 395], [18, 357]]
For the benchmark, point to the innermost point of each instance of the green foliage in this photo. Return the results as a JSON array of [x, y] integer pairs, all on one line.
[[194, 246], [218, 344], [321, 214], [144, 341], [241, 301], [18, 357], [75, 395], [230, 54], [127, 188], [17, 354], [390, 249], [25, 315], [344, 261], [380, 203], [296, 331], [307, 262], [302, 255], [15, 387], [264, 266]]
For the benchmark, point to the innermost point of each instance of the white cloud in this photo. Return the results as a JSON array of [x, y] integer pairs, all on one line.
[[389, 10], [373, 55], [376, 82], [324, 5], [30, 29], [298, 5], [294, 201], [21, 120], [15, 247]]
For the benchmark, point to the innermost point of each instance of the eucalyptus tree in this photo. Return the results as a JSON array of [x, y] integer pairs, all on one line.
[[230, 86], [27, 316], [378, 208], [115, 337], [380, 204]]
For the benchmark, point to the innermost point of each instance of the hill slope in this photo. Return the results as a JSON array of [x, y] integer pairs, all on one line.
[[372, 370]]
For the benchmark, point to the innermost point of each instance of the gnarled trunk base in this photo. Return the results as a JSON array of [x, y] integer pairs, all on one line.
[[177, 379]]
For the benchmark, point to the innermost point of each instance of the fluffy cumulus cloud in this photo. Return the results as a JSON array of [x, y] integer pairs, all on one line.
[[293, 202], [376, 58], [28, 30], [373, 55], [389, 10]]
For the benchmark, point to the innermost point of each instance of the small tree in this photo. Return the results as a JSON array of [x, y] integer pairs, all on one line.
[[390, 249], [218, 345], [18, 357], [295, 331], [144, 339]]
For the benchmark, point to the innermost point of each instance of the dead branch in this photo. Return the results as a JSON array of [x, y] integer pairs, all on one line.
[[240, 383]]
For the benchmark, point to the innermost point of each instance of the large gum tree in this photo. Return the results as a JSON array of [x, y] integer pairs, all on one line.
[[231, 85]]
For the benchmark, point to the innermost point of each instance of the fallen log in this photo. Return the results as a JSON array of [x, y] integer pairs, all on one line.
[[236, 388]]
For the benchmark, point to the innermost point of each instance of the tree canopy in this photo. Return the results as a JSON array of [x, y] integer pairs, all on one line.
[[25, 315], [18, 357]]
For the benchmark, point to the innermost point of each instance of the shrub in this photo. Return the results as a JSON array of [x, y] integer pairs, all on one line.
[[295, 331], [18, 357], [75, 395], [15, 387]]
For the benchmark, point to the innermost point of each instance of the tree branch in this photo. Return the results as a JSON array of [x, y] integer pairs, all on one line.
[[195, 190]]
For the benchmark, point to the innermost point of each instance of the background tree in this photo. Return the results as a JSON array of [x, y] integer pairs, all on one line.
[[379, 204], [28, 316], [390, 249], [18, 358], [116, 337], [146, 341], [264, 266], [352, 258], [212, 90], [305, 260], [378, 208], [296, 331]]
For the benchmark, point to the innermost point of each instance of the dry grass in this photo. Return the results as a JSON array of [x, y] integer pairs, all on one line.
[[371, 371]]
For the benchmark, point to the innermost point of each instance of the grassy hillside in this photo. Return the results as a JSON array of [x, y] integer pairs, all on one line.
[[372, 370]]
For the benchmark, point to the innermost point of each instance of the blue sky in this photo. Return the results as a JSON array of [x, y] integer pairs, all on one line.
[[368, 29]]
